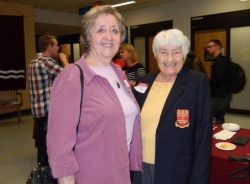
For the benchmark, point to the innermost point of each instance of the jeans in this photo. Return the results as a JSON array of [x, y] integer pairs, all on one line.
[[220, 106]]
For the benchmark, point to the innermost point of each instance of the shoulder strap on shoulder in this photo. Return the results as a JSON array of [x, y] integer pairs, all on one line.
[[82, 86]]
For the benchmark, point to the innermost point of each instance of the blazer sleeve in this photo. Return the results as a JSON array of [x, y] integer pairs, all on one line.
[[203, 135]]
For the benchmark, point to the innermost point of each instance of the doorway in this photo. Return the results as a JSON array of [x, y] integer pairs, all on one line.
[[201, 38], [232, 28]]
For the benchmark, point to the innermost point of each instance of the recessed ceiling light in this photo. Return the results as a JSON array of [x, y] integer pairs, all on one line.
[[123, 4], [243, 0]]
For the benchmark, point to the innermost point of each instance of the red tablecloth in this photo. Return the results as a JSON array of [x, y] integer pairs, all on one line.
[[221, 167]]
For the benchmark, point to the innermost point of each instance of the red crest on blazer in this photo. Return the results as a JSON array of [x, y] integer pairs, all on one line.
[[182, 118]]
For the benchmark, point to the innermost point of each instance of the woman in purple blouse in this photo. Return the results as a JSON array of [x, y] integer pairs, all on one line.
[[108, 142]]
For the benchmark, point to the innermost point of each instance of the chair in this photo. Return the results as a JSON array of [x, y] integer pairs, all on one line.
[[240, 172], [11, 101]]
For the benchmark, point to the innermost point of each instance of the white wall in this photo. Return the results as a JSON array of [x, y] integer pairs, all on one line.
[[180, 11], [52, 17], [240, 53]]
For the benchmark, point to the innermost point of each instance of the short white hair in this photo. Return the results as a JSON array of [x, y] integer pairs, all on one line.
[[171, 37]]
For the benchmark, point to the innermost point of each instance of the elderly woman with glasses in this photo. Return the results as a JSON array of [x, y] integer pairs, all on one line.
[[176, 118]]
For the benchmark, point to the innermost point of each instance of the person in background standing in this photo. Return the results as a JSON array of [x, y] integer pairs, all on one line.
[[108, 141], [43, 69], [175, 116], [133, 69], [220, 94], [194, 63], [117, 60]]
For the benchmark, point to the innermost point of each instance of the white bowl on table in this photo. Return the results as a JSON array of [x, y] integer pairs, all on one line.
[[231, 127]]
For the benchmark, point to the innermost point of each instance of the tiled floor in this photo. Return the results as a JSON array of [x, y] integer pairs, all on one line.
[[17, 150], [18, 153]]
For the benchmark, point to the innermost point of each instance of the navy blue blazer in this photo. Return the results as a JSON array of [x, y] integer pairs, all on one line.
[[182, 155]]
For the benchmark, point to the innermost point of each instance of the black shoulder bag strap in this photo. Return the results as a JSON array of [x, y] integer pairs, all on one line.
[[82, 86]]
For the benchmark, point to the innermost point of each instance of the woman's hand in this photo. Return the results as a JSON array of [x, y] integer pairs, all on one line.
[[67, 180]]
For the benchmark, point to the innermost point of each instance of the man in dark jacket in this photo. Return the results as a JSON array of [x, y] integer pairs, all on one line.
[[220, 93]]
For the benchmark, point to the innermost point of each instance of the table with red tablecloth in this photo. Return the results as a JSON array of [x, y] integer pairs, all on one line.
[[221, 167]]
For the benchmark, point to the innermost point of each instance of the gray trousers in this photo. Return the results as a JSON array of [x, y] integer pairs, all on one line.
[[145, 177]]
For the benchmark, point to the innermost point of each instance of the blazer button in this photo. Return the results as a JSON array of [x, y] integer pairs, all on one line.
[[159, 155], [158, 134]]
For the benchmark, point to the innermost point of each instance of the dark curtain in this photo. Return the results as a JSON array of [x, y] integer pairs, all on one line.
[[12, 64]]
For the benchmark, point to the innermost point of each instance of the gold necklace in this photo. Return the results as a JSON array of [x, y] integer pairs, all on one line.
[[167, 79], [162, 87]]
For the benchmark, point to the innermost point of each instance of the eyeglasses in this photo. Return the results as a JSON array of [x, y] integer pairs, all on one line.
[[210, 46]]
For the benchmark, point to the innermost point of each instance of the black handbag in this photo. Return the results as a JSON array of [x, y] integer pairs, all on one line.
[[42, 174]]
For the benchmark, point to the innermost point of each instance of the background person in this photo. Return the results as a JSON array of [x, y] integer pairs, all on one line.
[[108, 142], [175, 116], [220, 94], [133, 69], [117, 60], [194, 63], [42, 71]]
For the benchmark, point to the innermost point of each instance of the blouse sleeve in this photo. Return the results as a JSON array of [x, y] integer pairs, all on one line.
[[62, 122]]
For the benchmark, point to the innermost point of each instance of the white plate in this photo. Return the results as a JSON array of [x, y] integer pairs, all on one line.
[[231, 127], [225, 146]]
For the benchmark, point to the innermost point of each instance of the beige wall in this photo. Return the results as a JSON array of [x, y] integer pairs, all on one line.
[[29, 36]]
